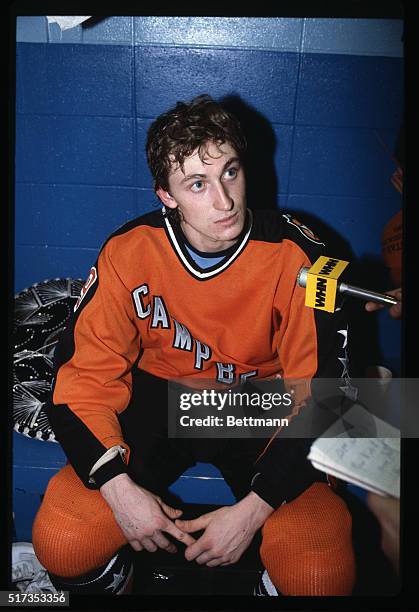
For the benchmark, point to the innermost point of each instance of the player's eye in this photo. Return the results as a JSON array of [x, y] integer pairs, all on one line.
[[197, 186], [231, 173]]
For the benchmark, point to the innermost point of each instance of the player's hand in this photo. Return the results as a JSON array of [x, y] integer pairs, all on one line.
[[387, 511], [143, 516], [394, 311], [228, 531]]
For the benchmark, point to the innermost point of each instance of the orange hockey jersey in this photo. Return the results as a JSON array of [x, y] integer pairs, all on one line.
[[147, 305]]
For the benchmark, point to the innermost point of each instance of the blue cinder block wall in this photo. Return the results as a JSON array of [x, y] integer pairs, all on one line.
[[327, 95]]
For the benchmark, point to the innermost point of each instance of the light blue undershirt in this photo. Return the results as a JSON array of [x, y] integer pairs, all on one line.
[[204, 262]]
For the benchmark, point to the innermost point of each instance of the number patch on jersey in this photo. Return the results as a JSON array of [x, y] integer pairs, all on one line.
[[90, 281]]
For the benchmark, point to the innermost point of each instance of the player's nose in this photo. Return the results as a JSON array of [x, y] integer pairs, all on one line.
[[223, 200]]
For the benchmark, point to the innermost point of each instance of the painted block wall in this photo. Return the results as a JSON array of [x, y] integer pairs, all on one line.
[[322, 100], [326, 95]]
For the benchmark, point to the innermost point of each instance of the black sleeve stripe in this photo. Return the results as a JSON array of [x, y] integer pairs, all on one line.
[[76, 439]]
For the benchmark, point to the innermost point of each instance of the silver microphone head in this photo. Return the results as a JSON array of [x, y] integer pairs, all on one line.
[[302, 277]]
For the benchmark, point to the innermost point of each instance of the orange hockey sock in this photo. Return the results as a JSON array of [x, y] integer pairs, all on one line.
[[307, 545], [74, 531]]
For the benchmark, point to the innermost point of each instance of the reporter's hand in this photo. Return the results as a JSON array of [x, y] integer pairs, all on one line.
[[394, 311], [387, 511], [143, 516], [228, 531]]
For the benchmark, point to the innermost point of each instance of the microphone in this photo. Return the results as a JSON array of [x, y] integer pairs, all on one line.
[[322, 286]]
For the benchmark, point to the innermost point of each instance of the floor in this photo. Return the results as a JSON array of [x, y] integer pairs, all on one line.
[[161, 573]]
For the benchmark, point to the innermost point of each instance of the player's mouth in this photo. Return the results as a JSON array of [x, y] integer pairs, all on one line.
[[228, 220]]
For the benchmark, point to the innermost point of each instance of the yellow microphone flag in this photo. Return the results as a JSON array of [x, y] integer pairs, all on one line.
[[322, 283]]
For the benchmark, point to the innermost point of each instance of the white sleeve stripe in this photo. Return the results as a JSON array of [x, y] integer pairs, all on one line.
[[110, 454]]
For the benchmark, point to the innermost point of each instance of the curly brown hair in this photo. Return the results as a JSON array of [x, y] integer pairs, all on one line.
[[176, 134]]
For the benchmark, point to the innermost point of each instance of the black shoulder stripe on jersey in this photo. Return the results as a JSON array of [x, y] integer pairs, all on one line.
[[65, 349], [267, 226], [302, 229], [275, 226], [150, 219]]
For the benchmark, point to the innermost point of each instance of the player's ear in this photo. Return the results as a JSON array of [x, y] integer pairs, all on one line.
[[165, 197]]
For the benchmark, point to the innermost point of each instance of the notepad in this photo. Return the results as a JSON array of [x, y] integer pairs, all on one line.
[[371, 463]]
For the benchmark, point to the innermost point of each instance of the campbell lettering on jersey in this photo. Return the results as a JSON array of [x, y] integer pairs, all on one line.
[[182, 337], [202, 353], [160, 318], [226, 373], [142, 312]]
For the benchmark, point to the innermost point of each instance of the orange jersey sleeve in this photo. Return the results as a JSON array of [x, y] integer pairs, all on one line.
[[94, 361]]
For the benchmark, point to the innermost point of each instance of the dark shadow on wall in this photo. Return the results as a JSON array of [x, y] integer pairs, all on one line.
[[92, 21], [261, 179], [369, 273], [262, 190]]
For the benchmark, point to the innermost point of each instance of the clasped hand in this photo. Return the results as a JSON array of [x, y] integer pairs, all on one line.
[[228, 531], [143, 517]]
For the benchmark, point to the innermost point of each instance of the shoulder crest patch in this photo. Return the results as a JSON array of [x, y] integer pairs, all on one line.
[[306, 231], [90, 281]]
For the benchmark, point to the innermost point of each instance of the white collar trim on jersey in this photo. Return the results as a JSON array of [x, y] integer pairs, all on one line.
[[218, 269]]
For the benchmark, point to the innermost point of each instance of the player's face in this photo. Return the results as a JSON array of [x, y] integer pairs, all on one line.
[[210, 196]]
